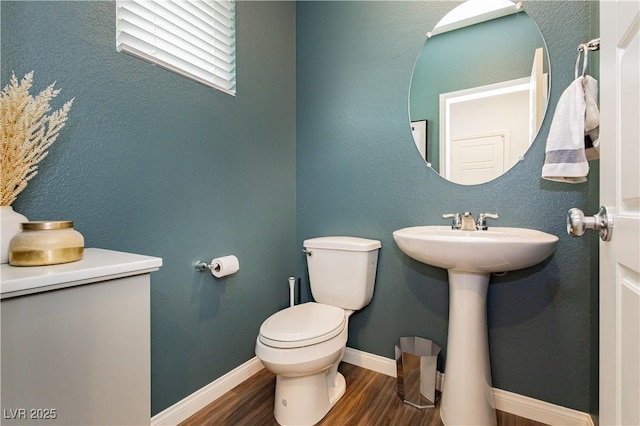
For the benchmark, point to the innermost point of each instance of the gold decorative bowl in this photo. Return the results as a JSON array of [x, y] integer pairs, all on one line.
[[46, 243]]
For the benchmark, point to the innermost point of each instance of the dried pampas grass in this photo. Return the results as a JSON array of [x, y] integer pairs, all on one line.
[[26, 132]]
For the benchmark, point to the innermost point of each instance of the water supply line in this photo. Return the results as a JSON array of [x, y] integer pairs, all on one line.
[[292, 282]]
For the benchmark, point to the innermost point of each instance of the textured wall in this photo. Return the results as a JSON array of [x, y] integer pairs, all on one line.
[[153, 163], [359, 173]]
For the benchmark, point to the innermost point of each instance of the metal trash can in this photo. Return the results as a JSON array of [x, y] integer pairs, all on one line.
[[416, 364]]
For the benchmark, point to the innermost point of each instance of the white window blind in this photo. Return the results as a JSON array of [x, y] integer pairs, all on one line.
[[194, 38]]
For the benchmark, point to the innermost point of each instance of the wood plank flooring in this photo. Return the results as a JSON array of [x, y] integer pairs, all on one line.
[[370, 400]]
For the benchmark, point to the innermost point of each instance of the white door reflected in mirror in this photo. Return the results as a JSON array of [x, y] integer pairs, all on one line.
[[485, 130]]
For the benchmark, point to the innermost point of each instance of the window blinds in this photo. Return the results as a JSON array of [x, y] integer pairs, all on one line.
[[194, 38]]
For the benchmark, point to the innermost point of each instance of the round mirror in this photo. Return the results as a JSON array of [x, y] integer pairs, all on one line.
[[479, 91]]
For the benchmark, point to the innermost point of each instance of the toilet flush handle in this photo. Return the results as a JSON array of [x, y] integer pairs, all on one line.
[[307, 252]]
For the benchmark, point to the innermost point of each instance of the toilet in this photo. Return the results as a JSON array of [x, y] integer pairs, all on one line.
[[304, 344]]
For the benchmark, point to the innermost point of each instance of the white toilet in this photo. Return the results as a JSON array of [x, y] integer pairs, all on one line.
[[304, 344]]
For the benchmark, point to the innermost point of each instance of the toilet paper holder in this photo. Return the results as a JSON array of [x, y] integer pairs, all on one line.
[[202, 266], [220, 266]]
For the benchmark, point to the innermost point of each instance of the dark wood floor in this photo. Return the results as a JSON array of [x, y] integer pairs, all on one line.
[[370, 400]]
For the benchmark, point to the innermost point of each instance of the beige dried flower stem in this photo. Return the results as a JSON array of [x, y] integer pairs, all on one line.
[[26, 132]]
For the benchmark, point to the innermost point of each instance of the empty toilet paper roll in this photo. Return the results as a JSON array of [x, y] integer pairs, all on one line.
[[223, 266]]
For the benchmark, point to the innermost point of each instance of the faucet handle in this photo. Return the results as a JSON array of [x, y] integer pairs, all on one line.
[[456, 219], [481, 223]]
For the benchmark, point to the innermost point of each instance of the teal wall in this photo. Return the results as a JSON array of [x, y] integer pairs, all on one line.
[[153, 163], [359, 173], [316, 143]]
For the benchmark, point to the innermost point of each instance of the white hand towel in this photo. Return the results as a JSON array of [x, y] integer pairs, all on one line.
[[591, 117], [565, 159]]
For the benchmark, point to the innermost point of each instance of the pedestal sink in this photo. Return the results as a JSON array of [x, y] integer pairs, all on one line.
[[470, 257]]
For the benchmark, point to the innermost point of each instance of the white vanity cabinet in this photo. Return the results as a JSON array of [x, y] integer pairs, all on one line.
[[76, 341]]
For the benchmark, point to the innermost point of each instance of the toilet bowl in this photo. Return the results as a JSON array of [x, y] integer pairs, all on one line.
[[305, 360], [304, 344]]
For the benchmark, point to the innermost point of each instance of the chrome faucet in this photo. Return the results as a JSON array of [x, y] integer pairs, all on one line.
[[468, 224], [465, 221], [456, 219], [481, 223]]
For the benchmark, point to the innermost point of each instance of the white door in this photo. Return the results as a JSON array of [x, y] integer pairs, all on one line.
[[620, 191], [478, 159]]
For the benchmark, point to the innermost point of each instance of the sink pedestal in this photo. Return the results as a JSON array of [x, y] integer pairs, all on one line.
[[467, 397]]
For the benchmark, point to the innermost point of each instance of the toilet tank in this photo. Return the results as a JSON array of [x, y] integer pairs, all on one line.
[[342, 270]]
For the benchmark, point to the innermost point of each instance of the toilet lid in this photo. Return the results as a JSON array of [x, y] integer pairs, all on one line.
[[302, 325]]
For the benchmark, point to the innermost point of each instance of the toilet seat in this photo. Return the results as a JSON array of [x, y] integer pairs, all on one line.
[[302, 325]]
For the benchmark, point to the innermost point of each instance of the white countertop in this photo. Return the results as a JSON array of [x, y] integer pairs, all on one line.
[[95, 265]]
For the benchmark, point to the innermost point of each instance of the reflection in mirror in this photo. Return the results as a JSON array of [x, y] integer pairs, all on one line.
[[479, 92]]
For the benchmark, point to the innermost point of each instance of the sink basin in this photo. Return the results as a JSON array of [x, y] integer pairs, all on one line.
[[497, 249], [470, 257]]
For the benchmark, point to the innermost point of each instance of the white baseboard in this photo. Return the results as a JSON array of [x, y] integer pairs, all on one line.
[[182, 410], [370, 361], [540, 411], [508, 402]]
